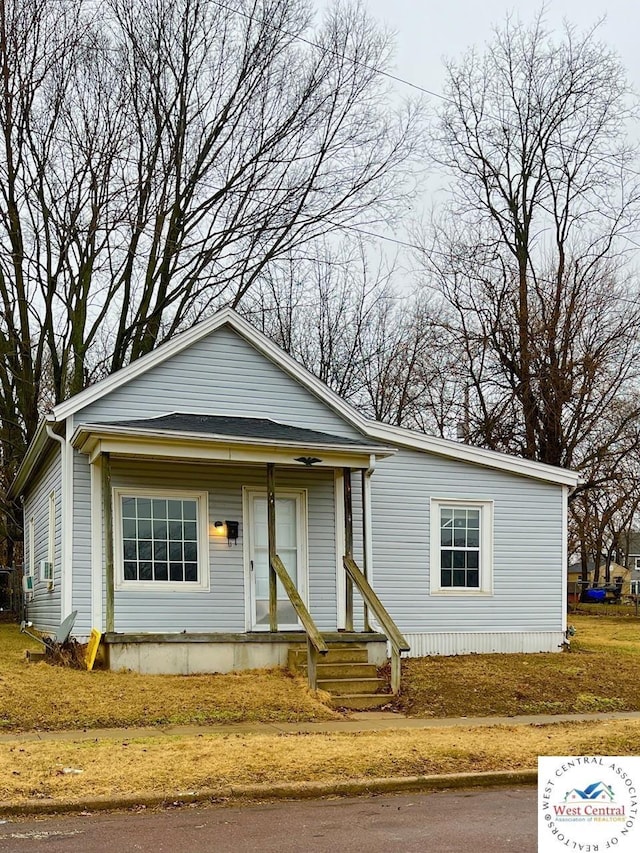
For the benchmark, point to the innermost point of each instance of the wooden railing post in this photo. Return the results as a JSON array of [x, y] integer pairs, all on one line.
[[348, 544], [315, 644], [312, 664], [396, 669], [107, 517], [271, 533]]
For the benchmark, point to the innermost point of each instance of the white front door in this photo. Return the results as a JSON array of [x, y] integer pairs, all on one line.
[[291, 546]]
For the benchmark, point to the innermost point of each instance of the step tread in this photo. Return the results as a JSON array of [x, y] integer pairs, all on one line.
[[344, 670], [299, 660], [371, 682], [347, 654], [348, 686], [360, 701]]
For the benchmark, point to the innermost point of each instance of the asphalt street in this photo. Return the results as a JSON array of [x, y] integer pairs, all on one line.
[[485, 821]]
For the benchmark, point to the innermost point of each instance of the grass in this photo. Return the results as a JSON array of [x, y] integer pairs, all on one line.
[[621, 610], [39, 696], [601, 673], [169, 766]]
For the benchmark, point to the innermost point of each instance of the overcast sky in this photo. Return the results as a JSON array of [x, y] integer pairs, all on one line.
[[428, 31]]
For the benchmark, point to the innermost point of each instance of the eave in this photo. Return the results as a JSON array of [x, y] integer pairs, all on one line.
[[95, 439], [35, 452]]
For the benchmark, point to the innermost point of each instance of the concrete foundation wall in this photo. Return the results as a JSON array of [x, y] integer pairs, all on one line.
[[191, 658]]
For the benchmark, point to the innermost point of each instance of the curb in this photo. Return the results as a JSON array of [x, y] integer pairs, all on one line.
[[284, 791]]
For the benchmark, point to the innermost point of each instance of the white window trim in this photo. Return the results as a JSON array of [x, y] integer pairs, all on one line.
[[204, 571], [637, 562], [486, 547]]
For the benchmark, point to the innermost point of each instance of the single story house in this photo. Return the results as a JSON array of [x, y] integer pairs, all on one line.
[[214, 503], [620, 579]]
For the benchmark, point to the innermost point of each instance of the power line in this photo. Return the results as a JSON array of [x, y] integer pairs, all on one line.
[[336, 53], [449, 256], [396, 78], [432, 93]]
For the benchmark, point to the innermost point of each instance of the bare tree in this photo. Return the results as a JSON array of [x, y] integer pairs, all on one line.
[[530, 254], [533, 136], [323, 309], [341, 315], [158, 156]]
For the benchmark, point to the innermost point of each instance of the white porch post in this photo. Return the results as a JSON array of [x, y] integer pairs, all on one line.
[[367, 530], [107, 516], [97, 573], [271, 533]]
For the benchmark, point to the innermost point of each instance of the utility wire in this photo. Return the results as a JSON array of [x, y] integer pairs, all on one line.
[[380, 71], [432, 93]]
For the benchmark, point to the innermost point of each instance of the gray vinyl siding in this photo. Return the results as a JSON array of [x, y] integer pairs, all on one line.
[[223, 375], [44, 610], [222, 608], [527, 545]]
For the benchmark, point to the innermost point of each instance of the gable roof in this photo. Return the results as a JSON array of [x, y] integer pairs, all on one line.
[[370, 429], [224, 317]]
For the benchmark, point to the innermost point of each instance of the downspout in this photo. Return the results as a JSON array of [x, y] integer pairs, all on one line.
[[64, 485], [367, 529]]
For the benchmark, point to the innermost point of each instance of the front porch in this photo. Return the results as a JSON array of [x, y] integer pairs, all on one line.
[[289, 551]]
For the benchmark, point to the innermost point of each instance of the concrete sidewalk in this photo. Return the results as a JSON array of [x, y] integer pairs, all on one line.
[[357, 722], [363, 721]]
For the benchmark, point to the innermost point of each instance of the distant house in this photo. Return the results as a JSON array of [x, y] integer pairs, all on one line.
[[631, 543], [164, 502], [620, 578]]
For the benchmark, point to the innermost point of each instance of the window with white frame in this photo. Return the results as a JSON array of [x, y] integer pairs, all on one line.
[[162, 539], [461, 546], [637, 561]]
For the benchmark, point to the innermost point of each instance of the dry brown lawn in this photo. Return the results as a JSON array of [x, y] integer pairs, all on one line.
[[40, 696], [170, 766], [601, 673]]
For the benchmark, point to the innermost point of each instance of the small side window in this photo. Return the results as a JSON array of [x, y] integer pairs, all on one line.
[[461, 546]]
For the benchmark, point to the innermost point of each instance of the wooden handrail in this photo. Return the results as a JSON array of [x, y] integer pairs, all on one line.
[[299, 606], [397, 641], [379, 610]]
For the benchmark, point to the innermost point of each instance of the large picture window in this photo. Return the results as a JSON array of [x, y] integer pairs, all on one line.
[[461, 546], [162, 539]]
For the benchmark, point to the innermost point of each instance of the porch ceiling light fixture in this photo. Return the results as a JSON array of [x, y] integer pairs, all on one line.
[[308, 460]]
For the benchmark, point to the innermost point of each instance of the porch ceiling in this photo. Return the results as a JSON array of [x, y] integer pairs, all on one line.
[[216, 437]]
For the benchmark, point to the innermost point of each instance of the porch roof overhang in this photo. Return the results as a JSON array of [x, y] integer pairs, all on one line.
[[206, 438]]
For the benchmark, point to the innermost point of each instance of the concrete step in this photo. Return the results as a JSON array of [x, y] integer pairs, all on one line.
[[348, 686], [361, 701], [343, 670], [350, 654]]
